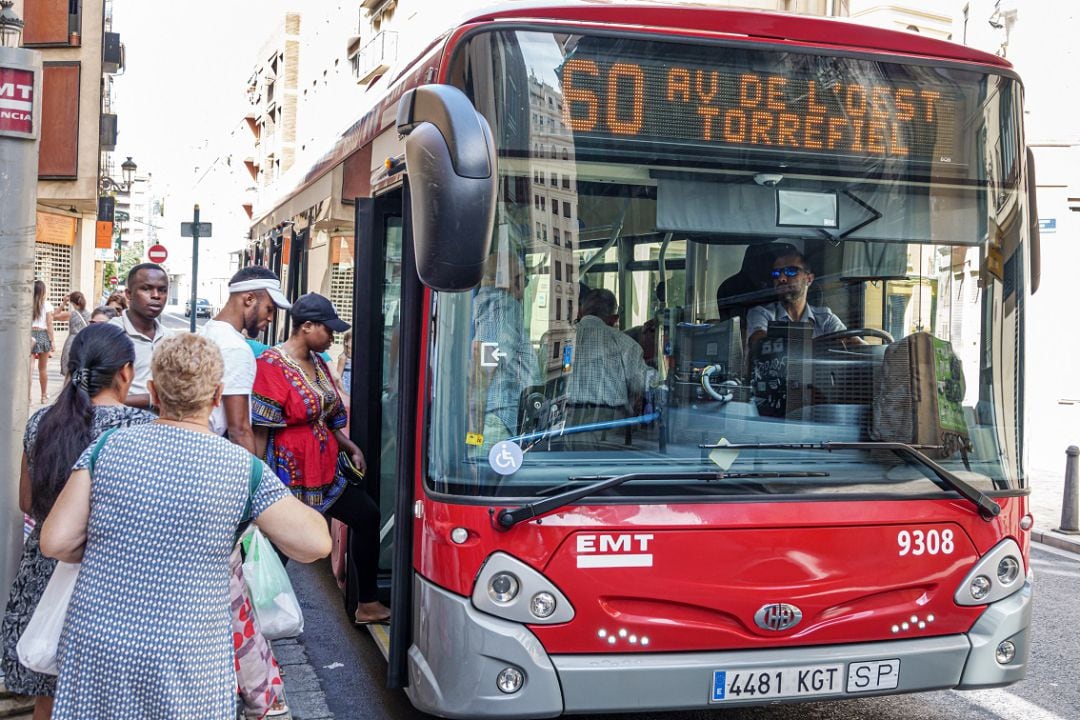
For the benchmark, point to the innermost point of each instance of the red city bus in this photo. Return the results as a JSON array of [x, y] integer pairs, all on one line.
[[688, 359]]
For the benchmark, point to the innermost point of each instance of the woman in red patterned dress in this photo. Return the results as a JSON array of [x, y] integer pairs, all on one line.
[[299, 417]]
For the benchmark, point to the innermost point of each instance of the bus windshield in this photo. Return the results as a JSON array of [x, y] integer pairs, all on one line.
[[699, 246]]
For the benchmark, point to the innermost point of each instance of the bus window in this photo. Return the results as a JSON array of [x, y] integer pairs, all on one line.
[[847, 296]]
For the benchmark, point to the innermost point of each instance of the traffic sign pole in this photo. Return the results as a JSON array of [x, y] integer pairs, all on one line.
[[194, 266]]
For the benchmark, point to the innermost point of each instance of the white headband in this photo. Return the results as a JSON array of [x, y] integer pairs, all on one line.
[[270, 285], [256, 284]]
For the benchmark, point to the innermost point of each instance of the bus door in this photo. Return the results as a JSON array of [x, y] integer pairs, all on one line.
[[384, 381]]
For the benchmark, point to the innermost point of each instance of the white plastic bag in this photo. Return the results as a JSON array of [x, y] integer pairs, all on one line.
[[37, 646], [272, 596]]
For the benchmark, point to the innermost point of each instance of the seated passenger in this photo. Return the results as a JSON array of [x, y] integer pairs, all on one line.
[[609, 374], [791, 277]]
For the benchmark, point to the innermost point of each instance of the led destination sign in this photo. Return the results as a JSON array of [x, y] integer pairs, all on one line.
[[852, 112]]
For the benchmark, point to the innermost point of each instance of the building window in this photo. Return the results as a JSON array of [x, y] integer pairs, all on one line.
[[569, 309], [565, 154], [537, 231], [554, 179], [544, 227], [536, 201], [566, 182], [554, 206], [555, 236], [555, 350], [566, 209], [558, 308], [569, 239], [543, 202], [558, 271]]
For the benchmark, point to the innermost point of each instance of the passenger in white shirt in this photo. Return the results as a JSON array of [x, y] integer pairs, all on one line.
[[254, 294], [147, 291]]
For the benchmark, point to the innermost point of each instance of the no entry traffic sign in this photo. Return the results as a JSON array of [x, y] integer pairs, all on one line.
[[157, 254]]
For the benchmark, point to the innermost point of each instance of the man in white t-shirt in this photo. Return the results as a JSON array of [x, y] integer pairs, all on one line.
[[254, 293]]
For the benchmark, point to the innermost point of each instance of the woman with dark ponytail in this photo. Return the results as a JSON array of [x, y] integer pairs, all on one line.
[[100, 369]]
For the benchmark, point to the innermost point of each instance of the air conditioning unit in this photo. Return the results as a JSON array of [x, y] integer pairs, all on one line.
[[112, 53], [108, 132]]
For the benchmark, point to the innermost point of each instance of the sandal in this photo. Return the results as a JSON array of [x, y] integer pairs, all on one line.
[[277, 710]]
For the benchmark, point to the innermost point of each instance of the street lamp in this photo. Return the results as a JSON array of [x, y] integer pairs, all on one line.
[[11, 25], [128, 168]]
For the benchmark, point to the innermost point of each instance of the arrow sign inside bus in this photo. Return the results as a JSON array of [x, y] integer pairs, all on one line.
[[490, 354], [187, 229]]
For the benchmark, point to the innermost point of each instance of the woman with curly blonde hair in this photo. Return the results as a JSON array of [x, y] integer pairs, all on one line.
[[148, 628]]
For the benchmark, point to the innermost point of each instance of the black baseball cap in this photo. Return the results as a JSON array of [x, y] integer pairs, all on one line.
[[316, 308]]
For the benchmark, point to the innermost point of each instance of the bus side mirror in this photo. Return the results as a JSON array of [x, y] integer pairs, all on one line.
[[450, 159], [1033, 223]]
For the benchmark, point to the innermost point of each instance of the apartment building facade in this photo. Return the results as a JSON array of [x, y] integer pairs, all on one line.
[[80, 55]]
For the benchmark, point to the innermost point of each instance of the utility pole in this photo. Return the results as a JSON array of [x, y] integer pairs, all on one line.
[[194, 266], [195, 230], [20, 89]]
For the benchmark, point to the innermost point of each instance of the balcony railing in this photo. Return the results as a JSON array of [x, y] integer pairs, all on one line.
[[375, 57]]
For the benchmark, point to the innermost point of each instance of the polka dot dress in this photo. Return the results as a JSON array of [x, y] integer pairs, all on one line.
[[147, 635]]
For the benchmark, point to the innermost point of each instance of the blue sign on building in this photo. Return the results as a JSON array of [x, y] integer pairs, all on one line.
[[1047, 225]]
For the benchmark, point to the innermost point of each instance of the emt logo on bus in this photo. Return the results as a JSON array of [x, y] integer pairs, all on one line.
[[16, 100], [608, 551], [844, 111]]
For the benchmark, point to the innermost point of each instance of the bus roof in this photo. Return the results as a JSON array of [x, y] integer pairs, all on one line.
[[749, 23], [674, 16]]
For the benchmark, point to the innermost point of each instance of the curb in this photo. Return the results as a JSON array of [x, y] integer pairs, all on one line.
[[1061, 541]]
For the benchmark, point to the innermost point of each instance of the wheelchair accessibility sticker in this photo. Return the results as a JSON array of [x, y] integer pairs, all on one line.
[[505, 457]]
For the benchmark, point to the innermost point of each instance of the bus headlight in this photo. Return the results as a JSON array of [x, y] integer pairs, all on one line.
[[1007, 570], [542, 604], [503, 587], [980, 587], [513, 590], [997, 575]]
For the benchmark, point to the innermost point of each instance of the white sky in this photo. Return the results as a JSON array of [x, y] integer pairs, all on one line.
[[183, 87]]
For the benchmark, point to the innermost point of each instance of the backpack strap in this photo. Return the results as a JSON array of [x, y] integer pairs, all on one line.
[[254, 479], [97, 448], [253, 485]]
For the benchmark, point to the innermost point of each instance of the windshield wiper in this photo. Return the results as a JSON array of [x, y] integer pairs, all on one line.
[[987, 506], [507, 518]]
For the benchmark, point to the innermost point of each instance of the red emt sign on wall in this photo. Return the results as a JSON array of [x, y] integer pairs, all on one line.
[[157, 254], [16, 101]]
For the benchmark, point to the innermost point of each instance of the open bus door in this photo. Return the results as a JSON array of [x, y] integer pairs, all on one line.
[[387, 299]]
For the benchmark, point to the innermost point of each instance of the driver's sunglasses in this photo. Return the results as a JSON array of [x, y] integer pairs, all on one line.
[[790, 271]]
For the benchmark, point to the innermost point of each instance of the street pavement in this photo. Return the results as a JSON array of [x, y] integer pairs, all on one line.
[[304, 688]]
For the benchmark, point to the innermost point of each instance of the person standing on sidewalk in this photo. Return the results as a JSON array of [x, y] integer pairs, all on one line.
[[147, 290], [41, 338], [254, 293], [73, 312], [100, 371]]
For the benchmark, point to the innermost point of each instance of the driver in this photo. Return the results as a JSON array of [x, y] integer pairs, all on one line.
[[791, 278]]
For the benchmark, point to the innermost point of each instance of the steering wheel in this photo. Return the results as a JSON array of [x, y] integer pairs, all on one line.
[[854, 333]]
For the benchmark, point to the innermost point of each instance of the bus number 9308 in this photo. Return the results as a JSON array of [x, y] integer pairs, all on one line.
[[928, 542]]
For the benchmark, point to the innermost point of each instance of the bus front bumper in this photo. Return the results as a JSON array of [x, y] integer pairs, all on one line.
[[458, 652]]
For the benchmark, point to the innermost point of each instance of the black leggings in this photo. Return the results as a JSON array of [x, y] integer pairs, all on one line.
[[355, 508]]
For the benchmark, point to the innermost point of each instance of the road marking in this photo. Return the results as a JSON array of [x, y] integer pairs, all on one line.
[[334, 666], [1006, 705]]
